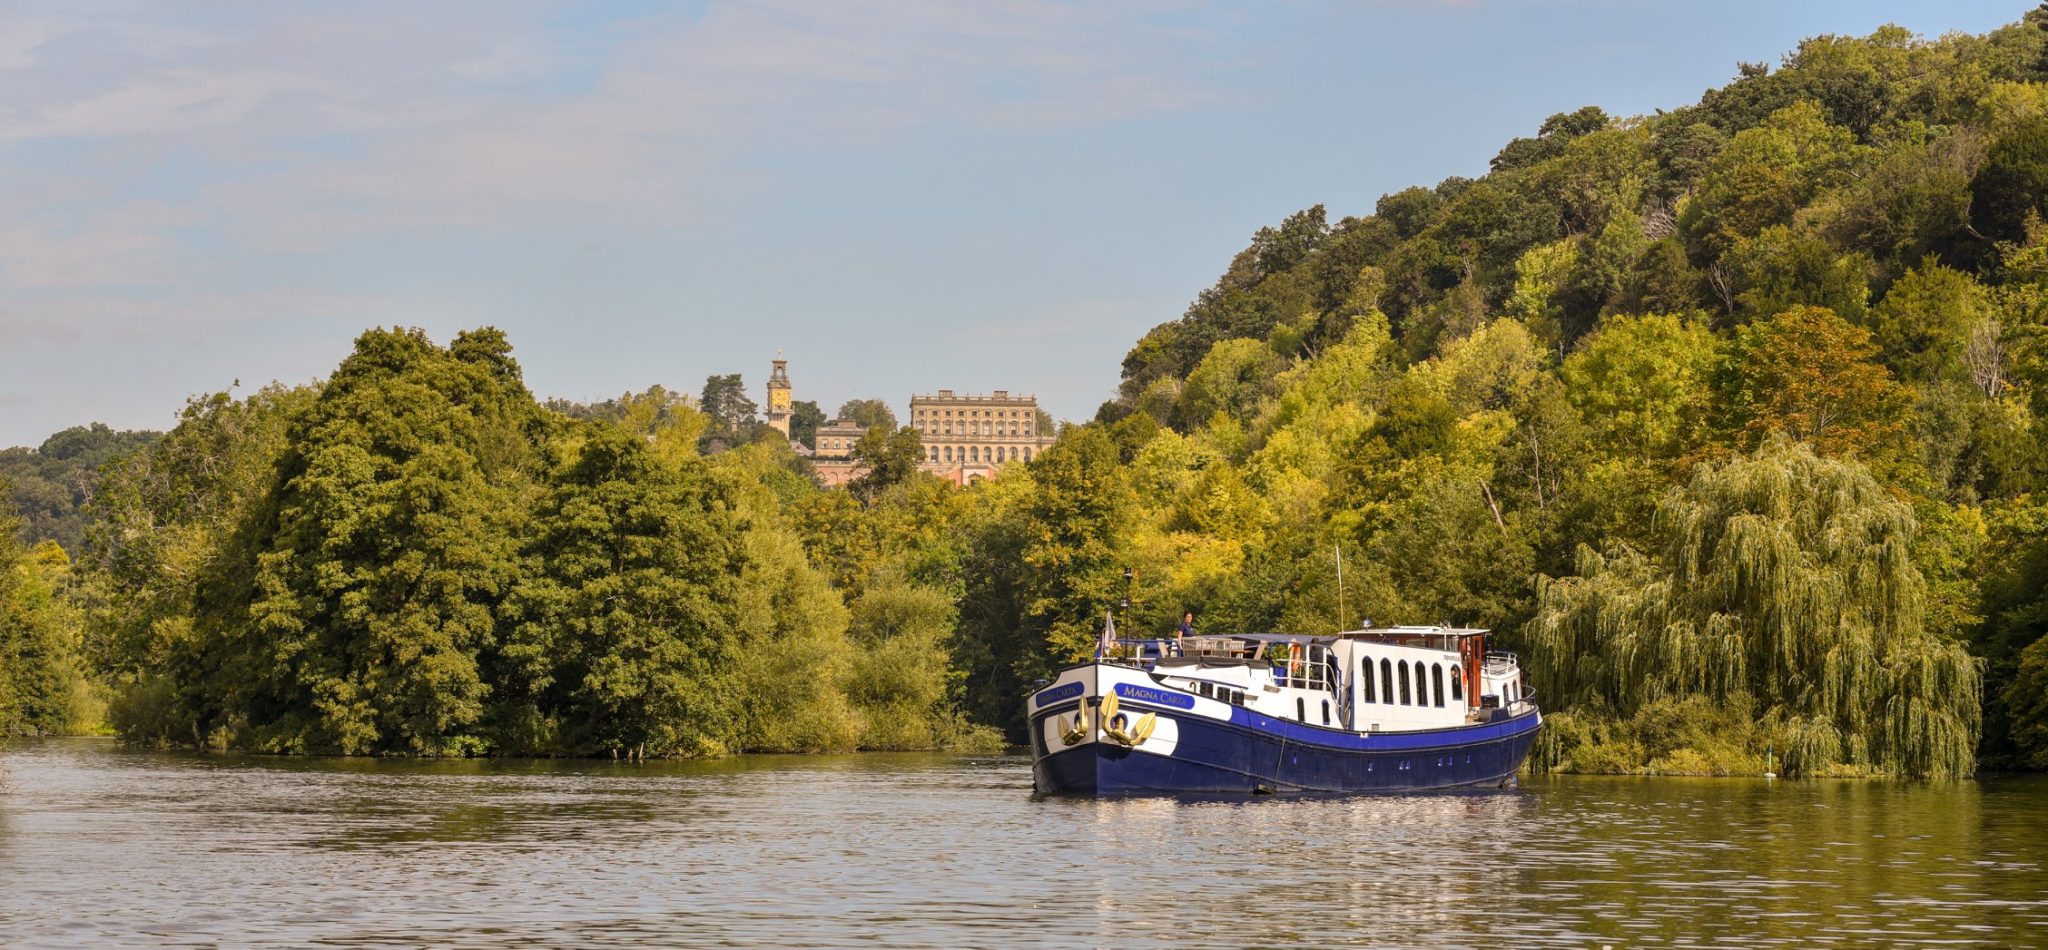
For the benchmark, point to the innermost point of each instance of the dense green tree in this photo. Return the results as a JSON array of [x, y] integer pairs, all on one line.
[[804, 419], [1662, 280], [1410, 210], [901, 676], [168, 558], [1043, 570], [391, 536], [41, 691], [1779, 269], [1231, 380], [625, 638], [794, 658], [1926, 322], [1764, 174], [1642, 382], [868, 413], [725, 400], [885, 459], [1552, 137], [2014, 639], [2012, 186], [1914, 203]]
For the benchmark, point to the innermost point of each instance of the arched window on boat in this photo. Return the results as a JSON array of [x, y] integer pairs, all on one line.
[[1365, 679], [1436, 683], [1387, 681], [1405, 701], [1326, 712], [1457, 685], [1301, 709]]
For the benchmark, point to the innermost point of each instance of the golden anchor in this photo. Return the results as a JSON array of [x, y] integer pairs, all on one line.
[[1136, 734], [1074, 733]]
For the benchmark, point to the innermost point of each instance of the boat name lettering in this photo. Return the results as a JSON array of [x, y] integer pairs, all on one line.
[[1057, 693], [1156, 696]]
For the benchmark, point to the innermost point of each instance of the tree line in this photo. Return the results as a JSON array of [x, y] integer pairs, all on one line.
[[1728, 418]]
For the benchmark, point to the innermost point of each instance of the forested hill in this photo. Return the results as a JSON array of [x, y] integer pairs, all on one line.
[[1729, 415], [50, 486], [1728, 418]]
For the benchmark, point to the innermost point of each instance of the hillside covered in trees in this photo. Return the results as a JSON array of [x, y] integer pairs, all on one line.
[[49, 487], [1729, 418]]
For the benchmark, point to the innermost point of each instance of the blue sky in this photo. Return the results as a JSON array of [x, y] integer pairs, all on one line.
[[903, 196]]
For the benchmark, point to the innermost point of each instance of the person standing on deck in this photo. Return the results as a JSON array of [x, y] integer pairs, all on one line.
[[1186, 628]]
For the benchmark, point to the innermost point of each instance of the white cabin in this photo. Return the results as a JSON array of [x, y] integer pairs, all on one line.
[[1387, 679]]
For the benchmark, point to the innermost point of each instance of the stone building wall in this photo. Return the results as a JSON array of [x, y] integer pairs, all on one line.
[[968, 437]]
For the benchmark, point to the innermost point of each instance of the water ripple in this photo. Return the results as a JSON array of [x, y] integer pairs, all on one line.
[[100, 846]]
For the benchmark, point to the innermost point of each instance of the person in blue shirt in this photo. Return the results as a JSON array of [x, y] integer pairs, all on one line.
[[1186, 628]]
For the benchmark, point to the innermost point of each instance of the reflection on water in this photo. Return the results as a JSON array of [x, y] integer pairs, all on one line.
[[99, 846]]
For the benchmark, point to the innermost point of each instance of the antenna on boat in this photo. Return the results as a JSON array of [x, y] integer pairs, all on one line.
[[1339, 547]]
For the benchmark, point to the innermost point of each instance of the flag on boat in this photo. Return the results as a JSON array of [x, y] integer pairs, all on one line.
[[1108, 636]]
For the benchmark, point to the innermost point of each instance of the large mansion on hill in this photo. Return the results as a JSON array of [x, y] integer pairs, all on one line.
[[966, 438]]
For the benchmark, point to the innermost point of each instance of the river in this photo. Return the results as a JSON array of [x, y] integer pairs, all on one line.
[[104, 846]]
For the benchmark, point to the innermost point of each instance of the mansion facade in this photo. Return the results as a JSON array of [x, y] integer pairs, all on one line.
[[966, 437]]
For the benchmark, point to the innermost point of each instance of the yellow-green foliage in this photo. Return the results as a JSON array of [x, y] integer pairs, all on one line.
[[1691, 735], [42, 688], [1539, 275], [1642, 382], [794, 656], [901, 676]]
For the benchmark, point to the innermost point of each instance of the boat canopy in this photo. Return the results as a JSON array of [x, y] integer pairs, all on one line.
[[1239, 647], [1440, 638]]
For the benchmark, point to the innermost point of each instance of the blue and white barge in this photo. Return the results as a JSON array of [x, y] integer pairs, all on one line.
[[1381, 709]]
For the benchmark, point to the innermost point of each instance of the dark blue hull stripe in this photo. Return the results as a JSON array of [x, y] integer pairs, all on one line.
[[1254, 753]]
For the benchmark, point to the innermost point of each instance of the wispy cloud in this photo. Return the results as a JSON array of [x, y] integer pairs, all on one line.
[[177, 155]]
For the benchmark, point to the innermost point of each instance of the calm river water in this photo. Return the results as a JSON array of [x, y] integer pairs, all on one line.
[[101, 846]]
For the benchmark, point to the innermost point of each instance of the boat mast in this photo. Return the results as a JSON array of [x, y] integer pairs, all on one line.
[[1339, 548], [1127, 598]]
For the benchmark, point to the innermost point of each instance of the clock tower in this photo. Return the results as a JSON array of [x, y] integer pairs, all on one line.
[[778, 395]]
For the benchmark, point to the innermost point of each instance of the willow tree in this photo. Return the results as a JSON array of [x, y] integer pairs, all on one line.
[[1785, 585]]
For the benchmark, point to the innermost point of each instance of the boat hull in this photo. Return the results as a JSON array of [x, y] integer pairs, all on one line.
[[1210, 748]]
